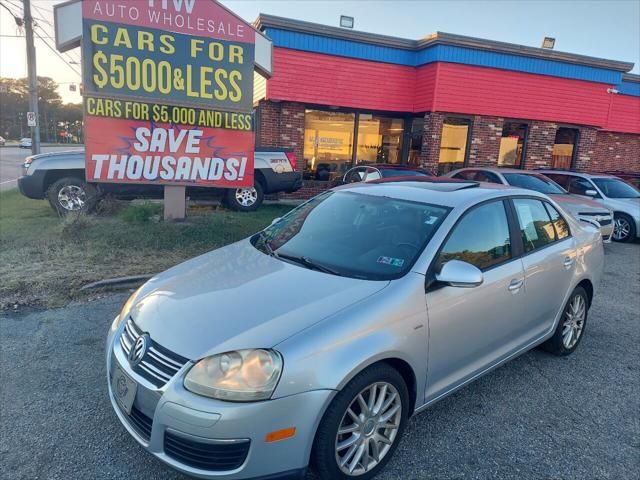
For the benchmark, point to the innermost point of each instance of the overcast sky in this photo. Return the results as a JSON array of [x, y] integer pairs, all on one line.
[[600, 28]]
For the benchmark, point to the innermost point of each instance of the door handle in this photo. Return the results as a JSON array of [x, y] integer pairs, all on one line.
[[516, 285], [568, 262]]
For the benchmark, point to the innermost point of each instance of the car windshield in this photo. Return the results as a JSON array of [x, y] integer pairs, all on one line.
[[397, 172], [353, 235], [534, 182], [616, 188]]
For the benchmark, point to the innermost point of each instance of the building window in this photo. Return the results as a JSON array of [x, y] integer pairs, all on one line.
[[453, 144], [512, 145], [379, 139], [415, 147], [564, 147], [328, 144]]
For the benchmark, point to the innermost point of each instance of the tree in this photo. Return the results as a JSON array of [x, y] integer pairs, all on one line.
[[54, 116]]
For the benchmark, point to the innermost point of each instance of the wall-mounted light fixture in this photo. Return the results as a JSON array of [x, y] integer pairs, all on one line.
[[548, 43], [346, 22]]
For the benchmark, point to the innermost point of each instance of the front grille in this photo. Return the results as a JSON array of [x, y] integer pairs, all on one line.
[[206, 456], [140, 422], [158, 365]]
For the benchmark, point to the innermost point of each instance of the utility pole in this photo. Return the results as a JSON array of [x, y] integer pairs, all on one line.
[[33, 79]]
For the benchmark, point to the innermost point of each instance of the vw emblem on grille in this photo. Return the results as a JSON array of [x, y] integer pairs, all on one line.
[[139, 349]]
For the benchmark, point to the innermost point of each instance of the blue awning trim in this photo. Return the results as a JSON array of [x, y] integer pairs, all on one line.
[[442, 53]]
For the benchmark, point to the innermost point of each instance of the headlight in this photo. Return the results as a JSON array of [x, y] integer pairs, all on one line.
[[124, 311], [241, 376]]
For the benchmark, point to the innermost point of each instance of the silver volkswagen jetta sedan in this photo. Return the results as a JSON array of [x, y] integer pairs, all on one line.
[[313, 341]]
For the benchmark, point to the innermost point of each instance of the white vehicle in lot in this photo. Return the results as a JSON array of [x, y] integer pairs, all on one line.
[[581, 208], [60, 178], [25, 142], [611, 192]]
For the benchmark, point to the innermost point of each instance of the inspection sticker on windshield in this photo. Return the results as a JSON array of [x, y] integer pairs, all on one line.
[[394, 262]]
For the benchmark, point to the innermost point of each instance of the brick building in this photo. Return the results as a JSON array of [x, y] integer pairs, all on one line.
[[340, 97]]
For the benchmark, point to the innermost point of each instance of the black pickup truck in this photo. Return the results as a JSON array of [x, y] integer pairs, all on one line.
[[60, 178]]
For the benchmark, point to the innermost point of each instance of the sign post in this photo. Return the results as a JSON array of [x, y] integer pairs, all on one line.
[[168, 94]]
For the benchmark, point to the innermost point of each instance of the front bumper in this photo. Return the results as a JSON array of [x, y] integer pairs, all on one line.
[[160, 415], [32, 186]]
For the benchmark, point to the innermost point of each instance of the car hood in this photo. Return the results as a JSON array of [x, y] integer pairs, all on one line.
[[238, 297], [630, 206], [575, 204]]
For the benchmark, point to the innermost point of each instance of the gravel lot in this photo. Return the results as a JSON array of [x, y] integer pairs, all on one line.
[[538, 417]]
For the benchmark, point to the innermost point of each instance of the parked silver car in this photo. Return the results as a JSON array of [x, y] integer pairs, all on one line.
[[611, 192], [580, 207], [313, 341]]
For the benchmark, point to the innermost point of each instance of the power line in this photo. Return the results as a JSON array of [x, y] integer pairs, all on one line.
[[58, 54]]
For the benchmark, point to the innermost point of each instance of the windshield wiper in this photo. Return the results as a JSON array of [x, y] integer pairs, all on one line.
[[267, 246], [307, 262]]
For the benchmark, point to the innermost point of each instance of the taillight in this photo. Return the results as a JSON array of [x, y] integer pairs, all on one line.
[[292, 160], [27, 162]]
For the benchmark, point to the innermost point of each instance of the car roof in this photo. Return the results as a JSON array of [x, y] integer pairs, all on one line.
[[577, 174], [437, 191]]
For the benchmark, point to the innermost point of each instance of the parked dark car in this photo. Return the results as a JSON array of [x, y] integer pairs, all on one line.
[[369, 173], [60, 178]]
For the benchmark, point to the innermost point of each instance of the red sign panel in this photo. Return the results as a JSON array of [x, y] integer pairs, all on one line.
[[168, 93]]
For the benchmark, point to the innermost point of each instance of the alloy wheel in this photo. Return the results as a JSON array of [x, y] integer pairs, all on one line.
[[368, 429], [246, 196], [621, 229], [573, 324], [72, 198]]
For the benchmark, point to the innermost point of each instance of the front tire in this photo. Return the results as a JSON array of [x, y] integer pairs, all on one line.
[[72, 194], [624, 229], [571, 326], [362, 427], [246, 199]]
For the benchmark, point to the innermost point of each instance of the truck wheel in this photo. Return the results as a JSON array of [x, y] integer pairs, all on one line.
[[246, 199], [72, 194]]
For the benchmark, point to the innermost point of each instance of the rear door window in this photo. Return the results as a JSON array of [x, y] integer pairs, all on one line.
[[559, 223], [536, 227]]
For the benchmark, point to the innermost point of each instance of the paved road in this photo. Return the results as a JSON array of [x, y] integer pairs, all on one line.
[[11, 159], [538, 417]]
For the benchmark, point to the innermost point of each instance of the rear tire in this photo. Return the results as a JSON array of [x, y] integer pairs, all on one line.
[[72, 195], [356, 431], [246, 199], [571, 325], [624, 228]]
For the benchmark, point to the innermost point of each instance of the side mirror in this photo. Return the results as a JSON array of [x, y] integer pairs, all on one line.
[[456, 273], [591, 193], [275, 220]]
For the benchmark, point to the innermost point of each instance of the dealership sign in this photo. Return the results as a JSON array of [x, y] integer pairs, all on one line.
[[168, 92]]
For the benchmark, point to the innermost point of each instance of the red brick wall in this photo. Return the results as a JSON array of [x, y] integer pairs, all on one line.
[[281, 124], [586, 148], [541, 137], [615, 151], [485, 140], [431, 134]]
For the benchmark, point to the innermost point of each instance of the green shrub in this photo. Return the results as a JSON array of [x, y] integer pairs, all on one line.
[[141, 212]]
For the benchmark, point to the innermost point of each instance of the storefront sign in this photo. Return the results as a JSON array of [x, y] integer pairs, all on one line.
[[168, 93]]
